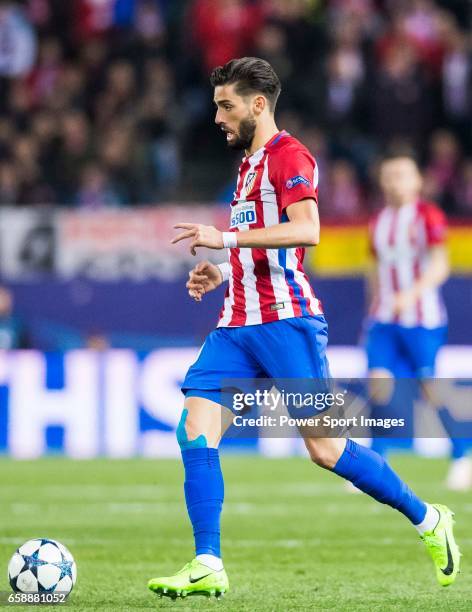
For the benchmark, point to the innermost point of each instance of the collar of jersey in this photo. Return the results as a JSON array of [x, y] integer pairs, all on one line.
[[275, 138], [404, 206]]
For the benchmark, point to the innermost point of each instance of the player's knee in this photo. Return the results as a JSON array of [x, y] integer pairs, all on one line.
[[435, 393], [188, 434], [380, 387], [324, 453]]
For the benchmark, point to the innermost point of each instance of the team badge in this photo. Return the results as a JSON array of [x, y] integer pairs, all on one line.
[[250, 182]]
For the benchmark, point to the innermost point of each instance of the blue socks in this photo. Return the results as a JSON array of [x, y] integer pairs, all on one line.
[[370, 473], [204, 489], [459, 445], [204, 493]]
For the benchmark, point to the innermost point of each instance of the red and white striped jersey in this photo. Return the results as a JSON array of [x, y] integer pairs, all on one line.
[[270, 284], [401, 239]]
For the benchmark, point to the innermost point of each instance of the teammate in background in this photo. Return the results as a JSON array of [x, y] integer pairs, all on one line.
[[271, 326], [407, 321]]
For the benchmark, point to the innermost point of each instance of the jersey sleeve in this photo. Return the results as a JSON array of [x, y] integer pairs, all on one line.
[[294, 174], [435, 224]]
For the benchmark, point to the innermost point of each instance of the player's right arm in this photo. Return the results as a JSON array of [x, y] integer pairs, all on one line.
[[372, 271], [372, 282], [206, 277]]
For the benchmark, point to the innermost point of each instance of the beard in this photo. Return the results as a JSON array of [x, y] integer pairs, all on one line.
[[247, 130]]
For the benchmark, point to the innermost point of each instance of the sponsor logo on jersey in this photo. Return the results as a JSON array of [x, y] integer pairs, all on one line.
[[243, 213], [297, 180]]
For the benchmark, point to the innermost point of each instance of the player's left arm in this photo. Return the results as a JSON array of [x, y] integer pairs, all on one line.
[[301, 230], [294, 175], [436, 273]]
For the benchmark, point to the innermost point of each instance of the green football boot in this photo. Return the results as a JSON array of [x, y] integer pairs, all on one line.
[[442, 546], [193, 579]]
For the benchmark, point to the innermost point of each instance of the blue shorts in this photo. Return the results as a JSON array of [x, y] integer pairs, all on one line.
[[291, 348], [391, 346]]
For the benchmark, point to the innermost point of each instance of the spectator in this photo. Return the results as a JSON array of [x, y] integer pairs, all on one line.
[[463, 193], [92, 18], [401, 99], [74, 151], [95, 189], [119, 96], [457, 85], [116, 156], [442, 168], [43, 79], [122, 86], [9, 184], [224, 29], [343, 104], [341, 195], [17, 41], [272, 45]]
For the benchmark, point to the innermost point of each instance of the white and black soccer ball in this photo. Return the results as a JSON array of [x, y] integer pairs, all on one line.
[[42, 566]]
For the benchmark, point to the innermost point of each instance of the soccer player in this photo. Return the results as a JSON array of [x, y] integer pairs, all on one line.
[[271, 326], [407, 322]]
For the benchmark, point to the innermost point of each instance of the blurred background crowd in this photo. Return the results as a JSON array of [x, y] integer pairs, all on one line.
[[106, 103]]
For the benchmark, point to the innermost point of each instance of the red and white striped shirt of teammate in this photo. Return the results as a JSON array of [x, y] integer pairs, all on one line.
[[401, 241], [269, 284]]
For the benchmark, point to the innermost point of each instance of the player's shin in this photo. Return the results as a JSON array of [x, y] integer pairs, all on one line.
[[370, 473], [204, 493]]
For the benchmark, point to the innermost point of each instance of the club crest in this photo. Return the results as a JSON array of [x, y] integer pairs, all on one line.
[[250, 182]]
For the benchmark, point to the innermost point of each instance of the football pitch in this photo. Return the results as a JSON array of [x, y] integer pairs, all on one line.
[[293, 539]]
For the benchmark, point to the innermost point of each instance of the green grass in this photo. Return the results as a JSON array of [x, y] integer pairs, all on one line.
[[293, 539]]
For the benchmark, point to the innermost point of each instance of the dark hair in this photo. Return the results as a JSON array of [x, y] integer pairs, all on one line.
[[400, 150], [252, 75]]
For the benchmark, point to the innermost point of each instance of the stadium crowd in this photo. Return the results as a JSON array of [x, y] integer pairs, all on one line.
[[107, 102]]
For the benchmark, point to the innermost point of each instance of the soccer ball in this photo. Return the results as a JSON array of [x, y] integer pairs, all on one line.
[[42, 566]]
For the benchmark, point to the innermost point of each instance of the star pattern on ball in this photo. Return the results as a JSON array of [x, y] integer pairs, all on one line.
[[42, 565], [65, 567], [32, 562]]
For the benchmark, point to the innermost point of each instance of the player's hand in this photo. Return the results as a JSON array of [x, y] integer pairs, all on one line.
[[203, 278], [402, 301], [200, 235]]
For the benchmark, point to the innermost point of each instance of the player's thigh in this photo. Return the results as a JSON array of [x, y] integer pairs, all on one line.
[[382, 346], [422, 345], [435, 391], [325, 452], [380, 385], [382, 350], [204, 418], [292, 354], [203, 423], [292, 348], [221, 358]]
